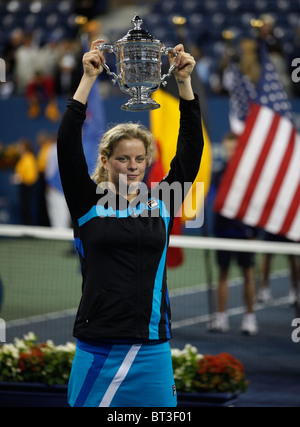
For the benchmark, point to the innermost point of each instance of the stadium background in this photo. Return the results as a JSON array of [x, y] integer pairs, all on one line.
[[205, 24], [270, 358]]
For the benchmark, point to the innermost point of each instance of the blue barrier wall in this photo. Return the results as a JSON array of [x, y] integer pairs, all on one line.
[[14, 122]]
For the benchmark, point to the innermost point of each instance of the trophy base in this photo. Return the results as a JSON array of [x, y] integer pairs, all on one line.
[[138, 105]]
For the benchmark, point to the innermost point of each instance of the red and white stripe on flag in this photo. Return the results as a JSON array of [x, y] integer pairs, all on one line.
[[261, 185]]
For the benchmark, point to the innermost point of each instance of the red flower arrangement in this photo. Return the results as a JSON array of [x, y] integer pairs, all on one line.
[[31, 363], [221, 373], [27, 360], [194, 372]]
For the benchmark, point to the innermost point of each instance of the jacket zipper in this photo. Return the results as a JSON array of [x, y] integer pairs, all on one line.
[[139, 274]]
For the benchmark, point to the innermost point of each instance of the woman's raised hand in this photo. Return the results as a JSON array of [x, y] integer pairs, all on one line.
[[92, 61], [184, 62]]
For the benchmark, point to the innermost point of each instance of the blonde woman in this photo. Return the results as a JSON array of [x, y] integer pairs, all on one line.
[[123, 326]]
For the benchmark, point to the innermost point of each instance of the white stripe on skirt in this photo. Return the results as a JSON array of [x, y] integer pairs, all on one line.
[[120, 375]]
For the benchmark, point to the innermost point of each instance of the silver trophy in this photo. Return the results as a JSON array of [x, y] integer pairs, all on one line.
[[138, 64]]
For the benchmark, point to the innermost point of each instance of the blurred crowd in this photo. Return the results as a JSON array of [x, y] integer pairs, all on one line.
[[245, 52], [50, 68], [41, 73]]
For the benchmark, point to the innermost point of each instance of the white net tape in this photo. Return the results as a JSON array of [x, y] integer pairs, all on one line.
[[193, 242]]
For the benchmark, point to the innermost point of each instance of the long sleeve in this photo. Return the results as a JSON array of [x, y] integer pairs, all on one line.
[[78, 187]]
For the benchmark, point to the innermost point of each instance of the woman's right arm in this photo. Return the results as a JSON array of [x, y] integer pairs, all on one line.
[[76, 182], [92, 66]]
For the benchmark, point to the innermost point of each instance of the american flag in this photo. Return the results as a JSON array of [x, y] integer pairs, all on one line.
[[241, 91], [261, 185]]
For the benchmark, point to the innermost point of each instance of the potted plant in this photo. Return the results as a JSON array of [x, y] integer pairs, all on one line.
[[206, 380], [33, 373]]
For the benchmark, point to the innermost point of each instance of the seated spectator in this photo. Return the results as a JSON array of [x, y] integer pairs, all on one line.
[[39, 92]]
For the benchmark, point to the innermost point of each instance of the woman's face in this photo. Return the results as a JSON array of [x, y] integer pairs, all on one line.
[[127, 164]]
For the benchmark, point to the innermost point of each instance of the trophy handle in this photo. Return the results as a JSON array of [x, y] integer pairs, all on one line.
[[164, 51], [110, 49]]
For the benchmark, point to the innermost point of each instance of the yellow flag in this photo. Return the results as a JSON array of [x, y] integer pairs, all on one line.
[[164, 124]]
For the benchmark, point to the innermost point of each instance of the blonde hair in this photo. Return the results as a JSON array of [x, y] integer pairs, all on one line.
[[116, 134]]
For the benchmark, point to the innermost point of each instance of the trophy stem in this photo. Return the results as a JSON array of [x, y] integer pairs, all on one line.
[[140, 100]]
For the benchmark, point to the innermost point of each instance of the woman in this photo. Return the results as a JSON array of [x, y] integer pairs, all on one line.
[[123, 324]]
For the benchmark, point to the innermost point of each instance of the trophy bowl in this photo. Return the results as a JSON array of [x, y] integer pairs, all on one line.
[[138, 65]]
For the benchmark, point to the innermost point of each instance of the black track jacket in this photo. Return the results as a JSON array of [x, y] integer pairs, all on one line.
[[122, 246]]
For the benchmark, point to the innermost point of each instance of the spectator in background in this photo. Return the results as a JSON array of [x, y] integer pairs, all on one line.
[[49, 55], [246, 56], [203, 65], [249, 60], [234, 229], [57, 208], [15, 41], [26, 176], [25, 66], [267, 32], [40, 92], [86, 7], [68, 70], [66, 80], [92, 30], [264, 293], [44, 143]]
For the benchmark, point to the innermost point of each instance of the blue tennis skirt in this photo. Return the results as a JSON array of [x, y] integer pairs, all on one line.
[[122, 375]]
